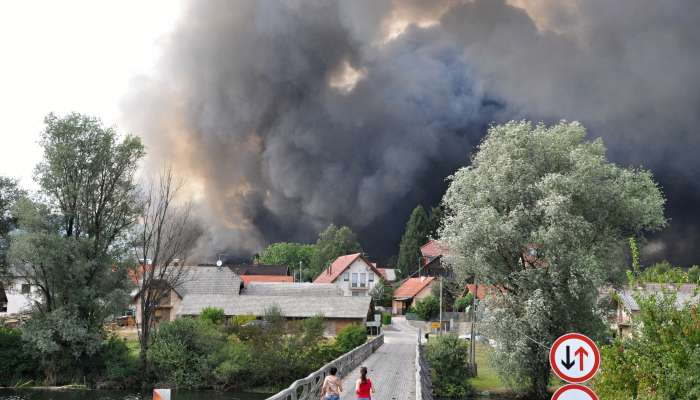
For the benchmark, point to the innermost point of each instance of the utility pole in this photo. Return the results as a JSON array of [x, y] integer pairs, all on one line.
[[441, 279], [472, 355], [419, 265], [300, 271]]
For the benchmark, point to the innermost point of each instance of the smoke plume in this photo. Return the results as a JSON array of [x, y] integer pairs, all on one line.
[[286, 116]]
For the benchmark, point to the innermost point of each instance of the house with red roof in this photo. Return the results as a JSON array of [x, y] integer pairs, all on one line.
[[431, 260], [410, 291], [352, 273]]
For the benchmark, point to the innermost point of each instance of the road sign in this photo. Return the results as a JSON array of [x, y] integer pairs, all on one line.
[[574, 392], [435, 325], [574, 358]]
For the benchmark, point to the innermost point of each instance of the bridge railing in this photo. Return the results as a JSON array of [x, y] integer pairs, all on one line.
[[424, 383], [309, 388]]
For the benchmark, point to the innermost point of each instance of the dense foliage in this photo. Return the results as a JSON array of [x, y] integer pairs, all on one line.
[[427, 308], [463, 302], [448, 357], [661, 360], [332, 243], [71, 242], [197, 353], [382, 293], [665, 272], [415, 235], [10, 193], [17, 363], [350, 337], [291, 255], [543, 215]]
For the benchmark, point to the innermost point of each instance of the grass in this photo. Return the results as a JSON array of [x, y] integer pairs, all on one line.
[[487, 379]]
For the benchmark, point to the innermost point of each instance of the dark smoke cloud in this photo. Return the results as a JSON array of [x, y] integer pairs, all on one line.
[[255, 102]]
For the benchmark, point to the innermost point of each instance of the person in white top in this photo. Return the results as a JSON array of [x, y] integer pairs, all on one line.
[[332, 386]]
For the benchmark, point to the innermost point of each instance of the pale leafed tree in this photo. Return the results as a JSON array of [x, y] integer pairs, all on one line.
[[164, 238], [544, 217]]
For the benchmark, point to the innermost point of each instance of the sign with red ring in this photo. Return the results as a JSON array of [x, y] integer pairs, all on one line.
[[574, 358], [574, 392]]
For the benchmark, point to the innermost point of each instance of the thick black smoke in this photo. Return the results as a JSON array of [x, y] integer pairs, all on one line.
[[287, 116]]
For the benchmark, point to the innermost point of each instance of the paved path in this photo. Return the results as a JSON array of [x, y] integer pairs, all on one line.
[[392, 367]]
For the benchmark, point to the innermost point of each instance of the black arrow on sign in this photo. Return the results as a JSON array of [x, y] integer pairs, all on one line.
[[569, 362]]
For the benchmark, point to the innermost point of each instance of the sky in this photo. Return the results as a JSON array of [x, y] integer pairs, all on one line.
[[71, 56]]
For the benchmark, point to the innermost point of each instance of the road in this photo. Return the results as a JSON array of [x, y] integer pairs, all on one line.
[[392, 367]]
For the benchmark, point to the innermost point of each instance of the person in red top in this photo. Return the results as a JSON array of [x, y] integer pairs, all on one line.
[[363, 386]]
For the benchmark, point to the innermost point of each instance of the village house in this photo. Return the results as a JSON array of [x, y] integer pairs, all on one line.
[[410, 291], [221, 287], [627, 307], [16, 295], [353, 274], [432, 260]]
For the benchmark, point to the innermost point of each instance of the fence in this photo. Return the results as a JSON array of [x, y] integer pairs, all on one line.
[[309, 388], [424, 383]]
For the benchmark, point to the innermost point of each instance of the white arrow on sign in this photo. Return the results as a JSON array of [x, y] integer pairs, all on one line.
[[574, 392], [574, 358]]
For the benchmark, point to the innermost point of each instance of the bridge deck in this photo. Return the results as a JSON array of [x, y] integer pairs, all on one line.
[[391, 368]]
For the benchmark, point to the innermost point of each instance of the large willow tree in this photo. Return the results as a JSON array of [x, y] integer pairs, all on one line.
[[542, 215]]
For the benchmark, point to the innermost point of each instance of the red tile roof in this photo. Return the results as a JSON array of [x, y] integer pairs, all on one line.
[[412, 286], [339, 266], [483, 290], [432, 249], [266, 278]]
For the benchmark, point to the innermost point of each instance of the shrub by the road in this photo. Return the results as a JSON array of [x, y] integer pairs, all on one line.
[[16, 362], [427, 308], [350, 337], [448, 356]]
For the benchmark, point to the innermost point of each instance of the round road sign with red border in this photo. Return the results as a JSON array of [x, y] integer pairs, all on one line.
[[574, 358], [574, 392]]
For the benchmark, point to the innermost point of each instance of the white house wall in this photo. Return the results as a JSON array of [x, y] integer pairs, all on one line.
[[16, 301], [358, 266]]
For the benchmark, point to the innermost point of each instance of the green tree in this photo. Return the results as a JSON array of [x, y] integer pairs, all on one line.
[[660, 360], [10, 193], [382, 293], [434, 221], [694, 274], [415, 235], [351, 336], [332, 243], [291, 255], [550, 187], [72, 247], [448, 357], [427, 307], [213, 315]]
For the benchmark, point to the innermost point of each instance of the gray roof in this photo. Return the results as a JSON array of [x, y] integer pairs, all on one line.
[[290, 306], [685, 293], [292, 289], [209, 280]]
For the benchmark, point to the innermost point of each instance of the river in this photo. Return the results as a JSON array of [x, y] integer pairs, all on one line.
[[39, 394]]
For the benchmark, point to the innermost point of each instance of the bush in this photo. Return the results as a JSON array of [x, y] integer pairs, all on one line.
[[232, 363], [427, 308], [463, 302], [180, 350], [350, 337], [386, 319], [661, 360], [16, 364], [118, 363], [448, 356], [214, 315]]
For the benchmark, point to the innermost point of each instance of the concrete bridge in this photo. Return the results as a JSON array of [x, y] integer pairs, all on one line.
[[391, 363]]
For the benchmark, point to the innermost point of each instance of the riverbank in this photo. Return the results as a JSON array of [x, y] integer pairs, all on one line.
[[62, 393]]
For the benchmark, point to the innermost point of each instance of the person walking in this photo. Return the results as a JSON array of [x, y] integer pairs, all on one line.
[[363, 386], [332, 386]]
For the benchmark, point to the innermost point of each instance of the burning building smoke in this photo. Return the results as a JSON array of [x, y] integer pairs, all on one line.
[[286, 116]]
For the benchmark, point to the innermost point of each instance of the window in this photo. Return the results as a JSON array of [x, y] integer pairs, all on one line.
[[363, 279], [25, 288], [354, 279], [346, 276], [3, 307], [370, 277]]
